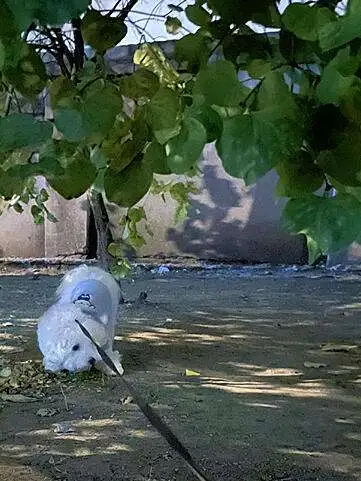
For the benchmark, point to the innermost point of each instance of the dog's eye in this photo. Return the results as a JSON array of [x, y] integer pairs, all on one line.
[[75, 347], [84, 297]]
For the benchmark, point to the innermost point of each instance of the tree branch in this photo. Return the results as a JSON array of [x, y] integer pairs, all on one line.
[[126, 10], [79, 44]]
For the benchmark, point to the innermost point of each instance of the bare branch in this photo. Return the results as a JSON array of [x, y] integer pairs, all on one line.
[[78, 44]]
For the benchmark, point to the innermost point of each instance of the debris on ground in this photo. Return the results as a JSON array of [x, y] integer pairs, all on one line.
[[64, 428], [46, 412]]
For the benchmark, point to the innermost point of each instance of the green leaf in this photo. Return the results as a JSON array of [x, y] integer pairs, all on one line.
[[173, 25], [21, 130], [51, 217], [70, 123], [344, 30], [62, 92], [258, 68], [102, 31], [193, 49], [296, 50], [116, 249], [210, 119], [314, 251], [125, 142], [101, 106], [12, 182], [348, 148], [43, 195], [185, 150], [90, 117], [230, 11], [251, 145], [180, 193], [333, 86], [127, 187], [274, 93], [142, 83], [77, 177], [37, 214], [198, 15], [136, 214], [47, 12], [299, 175], [135, 240], [18, 208], [9, 29], [24, 69], [121, 269], [338, 77], [68, 169], [156, 156], [326, 124], [219, 84], [164, 110], [332, 223], [241, 48], [305, 21]]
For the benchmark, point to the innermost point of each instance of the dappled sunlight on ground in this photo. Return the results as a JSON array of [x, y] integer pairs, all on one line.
[[264, 402]]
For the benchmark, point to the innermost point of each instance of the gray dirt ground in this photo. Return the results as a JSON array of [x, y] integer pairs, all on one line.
[[254, 413]]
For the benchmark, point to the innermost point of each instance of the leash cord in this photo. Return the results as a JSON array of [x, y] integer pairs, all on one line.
[[149, 412]]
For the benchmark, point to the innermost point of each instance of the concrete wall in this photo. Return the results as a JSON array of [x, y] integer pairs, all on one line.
[[227, 221]]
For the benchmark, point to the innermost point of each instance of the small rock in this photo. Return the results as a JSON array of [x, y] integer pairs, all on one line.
[[160, 270], [64, 428]]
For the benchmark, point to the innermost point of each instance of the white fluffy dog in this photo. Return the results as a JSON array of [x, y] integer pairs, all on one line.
[[91, 296]]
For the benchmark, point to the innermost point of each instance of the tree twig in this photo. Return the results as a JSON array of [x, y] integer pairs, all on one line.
[[64, 396], [78, 44]]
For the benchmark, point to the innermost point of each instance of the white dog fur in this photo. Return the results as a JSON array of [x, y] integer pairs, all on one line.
[[91, 296]]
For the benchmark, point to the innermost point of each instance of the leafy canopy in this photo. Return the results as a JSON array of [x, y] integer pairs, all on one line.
[[288, 100]]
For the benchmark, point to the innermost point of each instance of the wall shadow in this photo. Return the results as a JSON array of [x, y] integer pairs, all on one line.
[[230, 222]]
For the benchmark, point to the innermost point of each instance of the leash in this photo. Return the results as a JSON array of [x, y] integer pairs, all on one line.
[[149, 412]]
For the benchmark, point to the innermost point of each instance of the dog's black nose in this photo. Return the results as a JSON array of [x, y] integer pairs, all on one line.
[[92, 361]]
